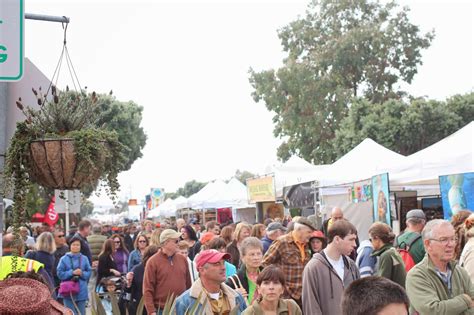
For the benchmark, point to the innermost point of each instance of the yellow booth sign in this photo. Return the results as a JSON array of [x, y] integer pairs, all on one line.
[[261, 189]]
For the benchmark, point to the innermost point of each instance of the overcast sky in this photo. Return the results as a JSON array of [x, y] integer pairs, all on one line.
[[187, 64]]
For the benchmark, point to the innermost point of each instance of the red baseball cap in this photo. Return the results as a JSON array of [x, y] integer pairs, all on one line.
[[210, 256], [318, 234]]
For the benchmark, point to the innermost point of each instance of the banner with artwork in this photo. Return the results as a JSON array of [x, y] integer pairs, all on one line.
[[457, 193], [301, 195], [381, 198], [157, 197], [273, 210], [361, 191]]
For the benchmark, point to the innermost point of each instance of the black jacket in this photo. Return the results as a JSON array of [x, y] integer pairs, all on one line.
[[103, 270]]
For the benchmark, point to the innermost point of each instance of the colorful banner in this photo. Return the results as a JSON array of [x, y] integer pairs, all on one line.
[[457, 192], [157, 197], [261, 189], [381, 198], [361, 192]]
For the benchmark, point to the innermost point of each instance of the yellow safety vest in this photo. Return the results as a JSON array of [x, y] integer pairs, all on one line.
[[22, 264]]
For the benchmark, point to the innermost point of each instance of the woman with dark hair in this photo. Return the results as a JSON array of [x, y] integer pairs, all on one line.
[[317, 242], [189, 236], [140, 244], [74, 266], [391, 264], [107, 266], [135, 279], [270, 287], [457, 221], [120, 254]]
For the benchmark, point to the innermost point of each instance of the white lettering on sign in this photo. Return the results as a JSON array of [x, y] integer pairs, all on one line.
[[11, 39]]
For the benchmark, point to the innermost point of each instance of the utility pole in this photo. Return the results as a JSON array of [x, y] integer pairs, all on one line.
[[3, 115]]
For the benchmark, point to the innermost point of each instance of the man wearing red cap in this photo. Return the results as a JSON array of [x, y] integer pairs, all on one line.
[[210, 286]]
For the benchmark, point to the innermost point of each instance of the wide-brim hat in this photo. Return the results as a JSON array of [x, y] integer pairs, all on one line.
[[28, 297], [305, 221]]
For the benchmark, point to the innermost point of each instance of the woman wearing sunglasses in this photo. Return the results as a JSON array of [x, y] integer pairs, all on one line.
[[141, 243], [120, 254], [107, 266]]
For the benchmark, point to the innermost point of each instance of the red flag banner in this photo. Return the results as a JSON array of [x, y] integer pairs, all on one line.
[[51, 216]]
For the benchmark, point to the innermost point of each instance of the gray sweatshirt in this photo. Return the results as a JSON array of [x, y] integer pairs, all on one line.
[[322, 287]]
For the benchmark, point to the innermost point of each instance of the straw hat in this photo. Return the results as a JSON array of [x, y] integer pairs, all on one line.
[[27, 296]]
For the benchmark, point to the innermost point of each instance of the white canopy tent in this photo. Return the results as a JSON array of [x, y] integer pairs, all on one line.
[[156, 212], [294, 171], [367, 159], [198, 200], [233, 195], [451, 155], [181, 202]]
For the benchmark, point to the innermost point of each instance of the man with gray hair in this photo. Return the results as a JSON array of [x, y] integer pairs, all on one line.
[[273, 231], [410, 239], [438, 285], [290, 252]]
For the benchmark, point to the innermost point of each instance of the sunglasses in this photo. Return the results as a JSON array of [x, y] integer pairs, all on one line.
[[141, 241]]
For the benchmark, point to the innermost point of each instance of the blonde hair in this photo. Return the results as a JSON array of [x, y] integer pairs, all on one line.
[[239, 228], [45, 242], [155, 237]]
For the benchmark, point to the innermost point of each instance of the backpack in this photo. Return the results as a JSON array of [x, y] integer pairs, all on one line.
[[404, 251]]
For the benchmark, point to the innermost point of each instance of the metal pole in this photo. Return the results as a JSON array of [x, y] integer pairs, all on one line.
[[66, 209], [48, 18]]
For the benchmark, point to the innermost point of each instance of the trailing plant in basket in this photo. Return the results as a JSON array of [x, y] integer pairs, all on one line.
[[71, 117]]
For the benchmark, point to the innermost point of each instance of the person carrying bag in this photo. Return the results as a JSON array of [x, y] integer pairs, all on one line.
[[74, 272]]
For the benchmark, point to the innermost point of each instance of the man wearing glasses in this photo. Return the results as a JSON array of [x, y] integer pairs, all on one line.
[[61, 249], [166, 273], [437, 285]]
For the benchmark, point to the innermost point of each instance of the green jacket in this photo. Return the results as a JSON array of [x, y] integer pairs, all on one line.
[[96, 241], [429, 295], [417, 249], [390, 265], [285, 307]]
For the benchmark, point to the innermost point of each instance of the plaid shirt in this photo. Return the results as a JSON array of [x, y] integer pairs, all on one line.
[[285, 254]]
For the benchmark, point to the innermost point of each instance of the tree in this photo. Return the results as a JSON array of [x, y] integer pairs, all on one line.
[[242, 176], [339, 50], [125, 119], [187, 190], [86, 207], [403, 127]]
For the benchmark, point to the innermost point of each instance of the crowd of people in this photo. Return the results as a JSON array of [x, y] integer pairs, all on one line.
[[283, 266]]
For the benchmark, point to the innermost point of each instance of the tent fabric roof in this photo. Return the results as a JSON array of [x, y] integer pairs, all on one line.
[[294, 171], [451, 155], [233, 195], [197, 200], [365, 160]]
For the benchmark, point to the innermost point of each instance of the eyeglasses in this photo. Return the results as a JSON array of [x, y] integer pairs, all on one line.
[[445, 240], [142, 241]]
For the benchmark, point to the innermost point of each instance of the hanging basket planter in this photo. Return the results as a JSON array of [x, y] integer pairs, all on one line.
[[54, 164]]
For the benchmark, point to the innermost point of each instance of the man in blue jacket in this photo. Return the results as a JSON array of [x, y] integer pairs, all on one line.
[[214, 296]]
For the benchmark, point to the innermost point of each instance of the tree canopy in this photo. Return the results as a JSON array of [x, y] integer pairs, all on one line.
[[404, 127], [339, 50], [125, 118]]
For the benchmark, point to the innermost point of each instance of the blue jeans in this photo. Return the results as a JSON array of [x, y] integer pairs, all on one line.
[[80, 304]]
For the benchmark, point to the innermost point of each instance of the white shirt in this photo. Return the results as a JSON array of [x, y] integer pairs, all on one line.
[[338, 265]]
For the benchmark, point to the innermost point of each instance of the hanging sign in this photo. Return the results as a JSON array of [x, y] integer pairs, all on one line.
[[12, 19], [261, 189]]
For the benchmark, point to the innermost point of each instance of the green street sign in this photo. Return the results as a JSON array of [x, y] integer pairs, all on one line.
[[12, 19]]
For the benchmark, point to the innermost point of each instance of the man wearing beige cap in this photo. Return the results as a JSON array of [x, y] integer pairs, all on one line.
[[166, 273]]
